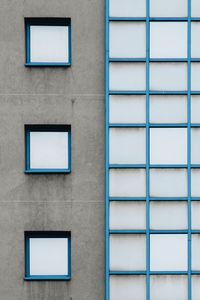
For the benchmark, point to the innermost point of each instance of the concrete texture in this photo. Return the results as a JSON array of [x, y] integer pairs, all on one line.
[[72, 202]]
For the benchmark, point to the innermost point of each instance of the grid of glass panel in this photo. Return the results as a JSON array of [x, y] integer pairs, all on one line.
[[152, 150]]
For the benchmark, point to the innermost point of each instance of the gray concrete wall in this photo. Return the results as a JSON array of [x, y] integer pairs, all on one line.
[[72, 202]]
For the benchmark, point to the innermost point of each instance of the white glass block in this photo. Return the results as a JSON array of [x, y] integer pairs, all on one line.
[[127, 8], [195, 287], [168, 252], [127, 215], [195, 108], [168, 215], [127, 183], [195, 145], [195, 215], [48, 256], [169, 8], [127, 146], [195, 75], [168, 183], [168, 109], [195, 252], [168, 39], [195, 51], [195, 8], [195, 183], [170, 287], [168, 76], [127, 252], [128, 287], [127, 76], [123, 37], [168, 145], [127, 109], [49, 150], [49, 44]]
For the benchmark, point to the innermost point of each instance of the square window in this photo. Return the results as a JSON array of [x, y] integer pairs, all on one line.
[[47, 255], [127, 8], [48, 41], [169, 8], [48, 148]]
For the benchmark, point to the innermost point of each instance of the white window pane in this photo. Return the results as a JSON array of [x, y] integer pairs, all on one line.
[[127, 252], [127, 76], [127, 145], [48, 256], [195, 8], [195, 252], [168, 215], [169, 8], [49, 44], [127, 109], [168, 183], [169, 287], [168, 252], [168, 145], [49, 150], [127, 8], [168, 39], [195, 108], [127, 215], [128, 287], [195, 215], [195, 74], [123, 37], [168, 109], [195, 145], [195, 180], [127, 183], [195, 51], [168, 76], [195, 287]]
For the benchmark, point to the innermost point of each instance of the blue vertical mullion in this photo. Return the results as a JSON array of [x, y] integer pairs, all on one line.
[[189, 149], [147, 153], [107, 263]]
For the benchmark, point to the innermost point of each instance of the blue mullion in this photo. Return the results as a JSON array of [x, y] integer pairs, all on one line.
[[128, 19], [168, 125], [127, 92], [195, 125], [126, 125], [118, 60], [168, 93], [127, 199], [126, 273], [152, 231], [127, 166], [168, 198]]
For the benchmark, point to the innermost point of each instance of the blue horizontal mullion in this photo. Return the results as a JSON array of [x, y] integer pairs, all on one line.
[[141, 19], [128, 166], [169, 166], [168, 92], [127, 272], [127, 60], [127, 198], [127, 93], [152, 231], [151, 272], [126, 125], [168, 198], [168, 125]]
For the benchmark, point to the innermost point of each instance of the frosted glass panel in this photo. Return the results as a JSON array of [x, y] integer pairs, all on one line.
[[49, 150], [127, 252], [195, 215], [128, 287], [127, 109], [195, 8], [195, 252], [168, 76], [168, 146], [49, 44], [127, 76], [127, 146], [168, 252], [168, 109], [195, 145], [168, 215], [169, 287], [168, 39], [168, 183], [127, 183], [127, 8], [48, 256], [127, 215], [195, 108], [195, 184], [169, 8], [195, 287], [195, 51], [195, 75], [123, 37]]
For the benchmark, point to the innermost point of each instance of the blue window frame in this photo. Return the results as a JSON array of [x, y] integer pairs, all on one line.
[[47, 149], [47, 255], [48, 42]]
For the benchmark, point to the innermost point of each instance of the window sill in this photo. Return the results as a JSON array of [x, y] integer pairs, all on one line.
[[41, 65], [47, 171], [47, 278]]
